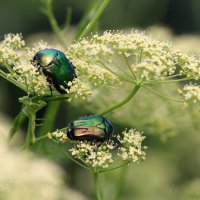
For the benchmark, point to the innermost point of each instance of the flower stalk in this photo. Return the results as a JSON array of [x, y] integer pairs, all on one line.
[[123, 102], [94, 20], [96, 183], [48, 11], [17, 123], [30, 137]]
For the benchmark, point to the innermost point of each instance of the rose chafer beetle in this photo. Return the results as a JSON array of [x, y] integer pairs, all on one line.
[[56, 67], [90, 128]]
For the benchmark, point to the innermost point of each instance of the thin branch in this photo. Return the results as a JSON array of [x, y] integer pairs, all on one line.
[[77, 162], [128, 65], [93, 21], [124, 101], [163, 96], [117, 167], [48, 11], [118, 75]]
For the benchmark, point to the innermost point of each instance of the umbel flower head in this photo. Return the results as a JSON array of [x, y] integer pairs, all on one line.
[[129, 56], [8, 47], [191, 93], [106, 60], [98, 156]]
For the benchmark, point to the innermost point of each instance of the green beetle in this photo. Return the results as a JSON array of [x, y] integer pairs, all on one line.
[[90, 128], [58, 70]]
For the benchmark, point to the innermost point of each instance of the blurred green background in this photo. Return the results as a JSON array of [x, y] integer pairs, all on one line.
[[180, 15], [171, 170]]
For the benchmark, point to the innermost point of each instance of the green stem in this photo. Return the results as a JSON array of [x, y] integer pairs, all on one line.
[[77, 162], [124, 101], [50, 116], [93, 21], [90, 11], [96, 183], [128, 65], [41, 138], [30, 137], [68, 18], [166, 81], [19, 119], [121, 183], [113, 168], [121, 68], [116, 74], [48, 11], [163, 96], [5, 76]]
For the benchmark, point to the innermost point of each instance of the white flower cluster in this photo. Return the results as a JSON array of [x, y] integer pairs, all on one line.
[[18, 64], [95, 155], [104, 58], [58, 136], [35, 48], [191, 93], [78, 89], [27, 75], [8, 49], [15, 41], [21, 70], [190, 65], [131, 149], [88, 58]]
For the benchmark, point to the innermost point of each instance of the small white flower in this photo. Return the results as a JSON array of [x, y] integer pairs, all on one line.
[[131, 145]]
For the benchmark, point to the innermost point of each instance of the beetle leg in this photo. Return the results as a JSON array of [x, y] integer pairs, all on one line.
[[50, 83], [50, 90]]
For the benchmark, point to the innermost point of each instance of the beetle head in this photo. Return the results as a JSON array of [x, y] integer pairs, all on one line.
[[44, 58]]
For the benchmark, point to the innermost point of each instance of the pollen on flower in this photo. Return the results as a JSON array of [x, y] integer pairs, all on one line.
[[58, 136], [131, 148], [191, 93], [78, 89], [9, 47], [36, 47], [117, 56], [95, 155], [27, 75], [14, 41]]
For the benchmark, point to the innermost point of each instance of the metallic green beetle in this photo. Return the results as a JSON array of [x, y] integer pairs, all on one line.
[[91, 128], [56, 67]]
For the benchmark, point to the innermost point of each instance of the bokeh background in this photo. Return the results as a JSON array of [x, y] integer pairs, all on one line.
[[171, 170]]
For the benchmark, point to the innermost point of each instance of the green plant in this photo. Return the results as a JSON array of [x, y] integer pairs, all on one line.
[[109, 61]]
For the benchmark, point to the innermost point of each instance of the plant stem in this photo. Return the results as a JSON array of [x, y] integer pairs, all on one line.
[[124, 101], [41, 138], [48, 11], [30, 137], [121, 183], [128, 65], [93, 21], [117, 167], [165, 97], [116, 74], [50, 115], [76, 161], [19, 119], [88, 14], [5, 76], [166, 81], [96, 183], [68, 18]]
